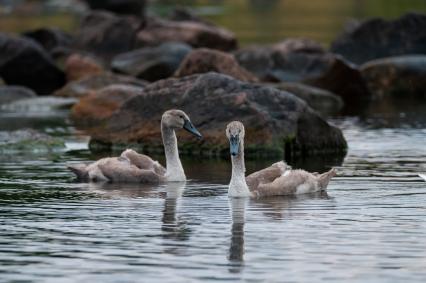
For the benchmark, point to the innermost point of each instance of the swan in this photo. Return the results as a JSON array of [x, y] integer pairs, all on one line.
[[278, 179], [423, 176], [132, 167]]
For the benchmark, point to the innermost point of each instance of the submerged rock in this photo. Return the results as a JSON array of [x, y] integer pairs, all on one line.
[[78, 67], [305, 62], [83, 86], [25, 62], [9, 94], [318, 99], [196, 34], [106, 34], [152, 63], [100, 105], [28, 140], [378, 38], [205, 60], [276, 121], [399, 76]]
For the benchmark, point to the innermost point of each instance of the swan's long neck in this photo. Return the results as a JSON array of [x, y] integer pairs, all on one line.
[[238, 186], [174, 169]]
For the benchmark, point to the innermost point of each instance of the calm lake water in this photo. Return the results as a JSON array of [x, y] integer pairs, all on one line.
[[369, 227]]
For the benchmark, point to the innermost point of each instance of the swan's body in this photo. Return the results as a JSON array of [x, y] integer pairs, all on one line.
[[278, 179], [423, 176], [134, 167]]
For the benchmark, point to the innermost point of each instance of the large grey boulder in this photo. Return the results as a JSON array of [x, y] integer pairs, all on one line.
[[276, 121]]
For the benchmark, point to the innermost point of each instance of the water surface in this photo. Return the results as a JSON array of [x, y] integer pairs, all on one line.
[[369, 226]]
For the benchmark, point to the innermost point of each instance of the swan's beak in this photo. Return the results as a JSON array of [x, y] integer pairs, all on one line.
[[190, 128], [234, 145]]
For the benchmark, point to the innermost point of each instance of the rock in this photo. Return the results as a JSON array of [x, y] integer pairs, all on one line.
[[28, 140], [41, 105], [47, 111], [378, 38], [196, 34], [275, 62], [183, 14], [399, 76], [25, 62], [264, 61], [205, 60], [300, 45], [83, 86], [323, 101], [276, 121], [126, 7], [106, 34], [152, 63], [12, 93], [78, 67], [54, 40], [100, 105], [303, 61], [339, 77]]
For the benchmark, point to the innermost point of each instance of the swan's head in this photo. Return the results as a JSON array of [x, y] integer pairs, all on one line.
[[177, 119], [235, 135]]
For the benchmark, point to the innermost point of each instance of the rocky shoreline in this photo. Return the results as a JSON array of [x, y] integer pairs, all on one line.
[[125, 69]]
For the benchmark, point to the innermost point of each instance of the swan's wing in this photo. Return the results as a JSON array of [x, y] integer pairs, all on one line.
[[119, 171], [143, 161], [324, 178], [89, 172], [267, 175], [295, 182], [423, 176], [80, 171]]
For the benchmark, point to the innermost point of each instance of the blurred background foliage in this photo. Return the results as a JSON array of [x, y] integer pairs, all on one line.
[[253, 21]]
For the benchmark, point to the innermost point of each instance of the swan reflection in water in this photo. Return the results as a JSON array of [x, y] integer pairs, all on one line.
[[236, 248], [277, 208], [173, 227]]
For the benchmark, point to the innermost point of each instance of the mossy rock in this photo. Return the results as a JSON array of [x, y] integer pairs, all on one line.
[[28, 140]]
